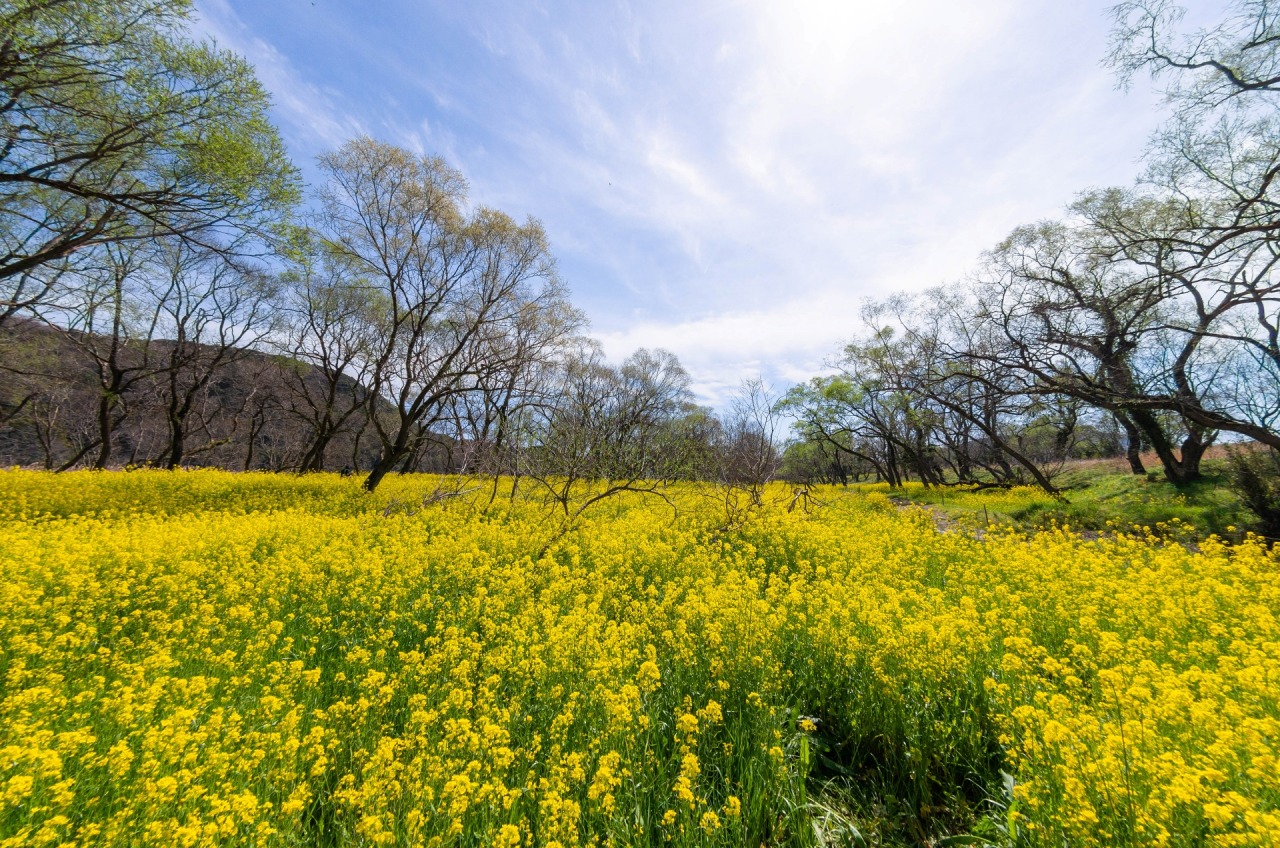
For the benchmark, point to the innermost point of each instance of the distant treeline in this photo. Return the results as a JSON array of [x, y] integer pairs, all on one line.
[[1147, 316]]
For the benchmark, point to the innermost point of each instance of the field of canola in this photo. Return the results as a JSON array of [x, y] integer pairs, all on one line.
[[207, 658]]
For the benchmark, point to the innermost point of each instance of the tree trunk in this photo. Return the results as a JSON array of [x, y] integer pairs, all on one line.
[[1176, 470], [386, 462], [380, 469], [177, 443], [256, 425], [104, 431], [891, 465], [70, 463], [409, 462], [1193, 450], [1133, 451], [355, 447], [314, 458]]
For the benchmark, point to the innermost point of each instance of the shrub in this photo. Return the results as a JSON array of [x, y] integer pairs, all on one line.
[[1255, 476]]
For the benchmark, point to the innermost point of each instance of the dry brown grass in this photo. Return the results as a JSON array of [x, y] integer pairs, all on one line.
[[1149, 459]]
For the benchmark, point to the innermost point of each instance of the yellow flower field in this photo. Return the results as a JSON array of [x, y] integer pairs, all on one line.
[[206, 658]]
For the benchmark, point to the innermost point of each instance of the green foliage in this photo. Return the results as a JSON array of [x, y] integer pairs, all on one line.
[[117, 125], [1255, 477], [1113, 500]]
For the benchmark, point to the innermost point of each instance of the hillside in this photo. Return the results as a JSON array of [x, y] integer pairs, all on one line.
[[249, 411]]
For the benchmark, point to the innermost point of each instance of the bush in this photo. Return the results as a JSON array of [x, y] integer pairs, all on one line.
[[1255, 476]]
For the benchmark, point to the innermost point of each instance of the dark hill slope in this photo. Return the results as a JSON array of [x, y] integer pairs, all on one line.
[[254, 410]]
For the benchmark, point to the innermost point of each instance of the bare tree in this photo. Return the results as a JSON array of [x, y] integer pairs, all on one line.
[[527, 366], [610, 430], [1080, 322], [105, 312], [748, 445], [450, 287], [329, 319], [211, 312], [949, 361], [1221, 305], [1221, 143], [1206, 68]]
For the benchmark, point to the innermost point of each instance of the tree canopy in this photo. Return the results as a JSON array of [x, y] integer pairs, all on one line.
[[116, 125]]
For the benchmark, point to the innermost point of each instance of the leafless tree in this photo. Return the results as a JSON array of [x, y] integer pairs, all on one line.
[[450, 287], [329, 335], [106, 313], [211, 311], [747, 447], [610, 430]]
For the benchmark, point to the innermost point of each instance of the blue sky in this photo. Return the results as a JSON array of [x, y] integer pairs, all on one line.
[[723, 179]]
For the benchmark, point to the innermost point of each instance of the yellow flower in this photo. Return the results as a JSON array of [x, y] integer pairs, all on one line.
[[648, 678], [207, 646], [508, 837]]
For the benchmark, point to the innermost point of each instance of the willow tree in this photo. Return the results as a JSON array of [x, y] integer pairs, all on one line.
[[447, 288], [115, 125]]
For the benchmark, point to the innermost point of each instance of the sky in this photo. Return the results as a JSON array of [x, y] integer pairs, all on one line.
[[725, 179]]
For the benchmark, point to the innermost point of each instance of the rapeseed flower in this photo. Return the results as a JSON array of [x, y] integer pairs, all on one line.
[[205, 658]]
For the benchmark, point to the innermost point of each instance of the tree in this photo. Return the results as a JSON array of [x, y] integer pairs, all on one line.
[[328, 332], [116, 126], [1212, 67], [1080, 321], [105, 312], [609, 430], [1220, 305], [741, 456], [1157, 306], [930, 389], [486, 422], [211, 311], [853, 417], [809, 462], [1255, 476], [1221, 143], [449, 290], [985, 409], [748, 453]]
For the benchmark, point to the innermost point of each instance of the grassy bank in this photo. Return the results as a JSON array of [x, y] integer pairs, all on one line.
[[1097, 497]]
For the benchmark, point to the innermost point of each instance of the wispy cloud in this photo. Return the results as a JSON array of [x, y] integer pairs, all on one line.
[[315, 117], [725, 180]]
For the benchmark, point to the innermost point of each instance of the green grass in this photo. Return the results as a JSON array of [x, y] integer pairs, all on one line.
[[1099, 499]]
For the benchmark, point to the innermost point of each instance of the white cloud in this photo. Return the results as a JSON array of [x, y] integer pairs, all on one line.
[[727, 180], [786, 343], [311, 112]]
